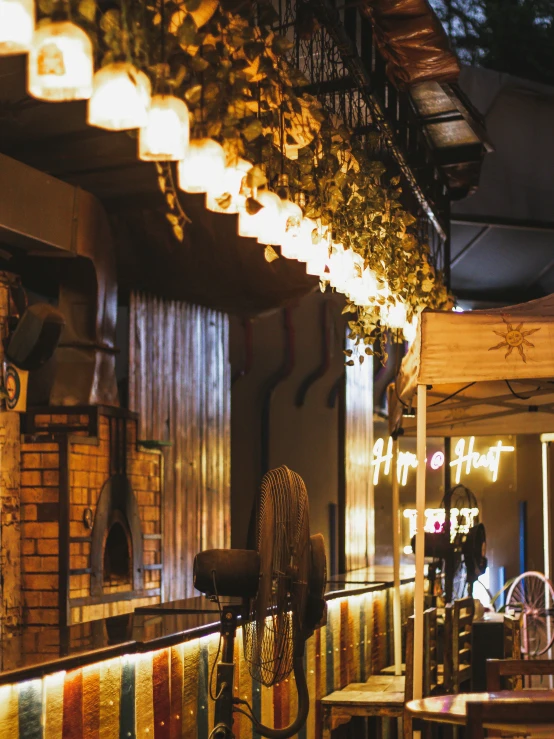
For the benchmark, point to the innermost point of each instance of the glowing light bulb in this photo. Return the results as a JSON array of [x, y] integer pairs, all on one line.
[[394, 316], [305, 246], [366, 290], [410, 329], [226, 196], [250, 225], [270, 231], [202, 166], [165, 136], [60, 65], [120, 98], [290, 225], [17, 24], [318, 260]]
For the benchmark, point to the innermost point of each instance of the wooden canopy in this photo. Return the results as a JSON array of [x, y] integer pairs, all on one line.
[[485, 371]]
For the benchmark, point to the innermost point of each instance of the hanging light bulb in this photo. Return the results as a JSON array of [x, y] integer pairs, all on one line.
[[318, 260], [60, 65], [410, 329], [17, 23], [354, 266], [250, 224], [269, 230], [166, 135], [308, 229], [366, 291], [394, 316], [229, 190], [120, 98], [202, 166], [290, 225], [337, 266]]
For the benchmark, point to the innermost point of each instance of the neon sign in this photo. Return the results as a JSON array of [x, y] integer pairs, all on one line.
[[461, 520], [474, 460], [464, 461]]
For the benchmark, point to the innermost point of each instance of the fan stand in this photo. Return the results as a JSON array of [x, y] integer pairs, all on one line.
[[231, 609]]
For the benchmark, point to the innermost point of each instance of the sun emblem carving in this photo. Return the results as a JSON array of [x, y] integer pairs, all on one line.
[[514, 338]]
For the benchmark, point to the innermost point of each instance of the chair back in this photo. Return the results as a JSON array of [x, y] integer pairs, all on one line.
[[429, 654], [512, 636], [498, 670], [507, 714], [458, 623]]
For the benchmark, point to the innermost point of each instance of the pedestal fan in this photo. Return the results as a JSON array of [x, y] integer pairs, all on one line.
[[276, 589]]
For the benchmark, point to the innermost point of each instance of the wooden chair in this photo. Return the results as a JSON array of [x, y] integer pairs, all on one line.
[[384, 695], [508, 716], [458, 622], [512, 669], [512, 637]]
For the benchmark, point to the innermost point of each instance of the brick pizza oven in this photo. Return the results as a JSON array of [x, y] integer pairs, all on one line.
[[91, 516]]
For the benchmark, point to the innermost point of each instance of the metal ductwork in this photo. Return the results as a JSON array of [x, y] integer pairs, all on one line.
[[45, 217]]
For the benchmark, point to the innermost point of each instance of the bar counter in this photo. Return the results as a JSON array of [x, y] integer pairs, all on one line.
[[146, 674]]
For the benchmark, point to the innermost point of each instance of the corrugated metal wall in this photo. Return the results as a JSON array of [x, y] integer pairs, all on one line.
[[359, 513], [180, 384]]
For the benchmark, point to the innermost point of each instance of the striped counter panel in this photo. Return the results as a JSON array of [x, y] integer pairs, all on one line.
[[165, 694]]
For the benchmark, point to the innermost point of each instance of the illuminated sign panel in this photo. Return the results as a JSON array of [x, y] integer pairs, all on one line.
[[461, 520], [465, 460]]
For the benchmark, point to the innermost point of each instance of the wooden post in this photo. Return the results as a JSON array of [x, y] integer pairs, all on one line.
[[396, 524], [420, 540], [10, 536]]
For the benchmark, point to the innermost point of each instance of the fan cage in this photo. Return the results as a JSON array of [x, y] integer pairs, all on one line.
[[274, 628]]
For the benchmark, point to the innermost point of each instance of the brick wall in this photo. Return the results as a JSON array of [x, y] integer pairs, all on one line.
[[87, 470]]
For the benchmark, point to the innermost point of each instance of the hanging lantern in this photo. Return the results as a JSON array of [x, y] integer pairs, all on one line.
[[269, 223], [227, 195], [318, 260], [366, 289], [202, 167], [305, 247], [17, 24], [354, 266], [249, 225], [291, 226], [60, 65], [410, 329], [394, 316], [120, 98], [166, 135], [337, 266]]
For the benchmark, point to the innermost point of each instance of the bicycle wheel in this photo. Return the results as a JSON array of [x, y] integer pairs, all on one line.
[[532, 595]]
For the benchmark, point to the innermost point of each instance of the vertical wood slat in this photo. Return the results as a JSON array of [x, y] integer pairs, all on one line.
[[180, 384]]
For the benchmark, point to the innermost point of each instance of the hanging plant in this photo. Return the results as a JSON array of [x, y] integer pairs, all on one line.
[[232, 70]]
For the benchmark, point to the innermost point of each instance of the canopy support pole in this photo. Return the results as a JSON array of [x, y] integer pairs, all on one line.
[[419, 599], [547, 533], [396, 523]]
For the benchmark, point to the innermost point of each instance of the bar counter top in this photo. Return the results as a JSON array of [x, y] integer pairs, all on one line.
[[31, 654]]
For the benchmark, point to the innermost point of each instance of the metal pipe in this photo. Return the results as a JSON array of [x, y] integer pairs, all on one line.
[[420, 540], [396, 522]]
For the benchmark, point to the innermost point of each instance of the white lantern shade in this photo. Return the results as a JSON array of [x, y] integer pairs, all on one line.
[[17, 25], [229, 189], [269, 219], [290, 225], [202, 166], [60, 63], [318, 261], [410, 329], [306, 244], [337, 266], [394, 316], [120, 98], [166, 135], [366, 289]]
